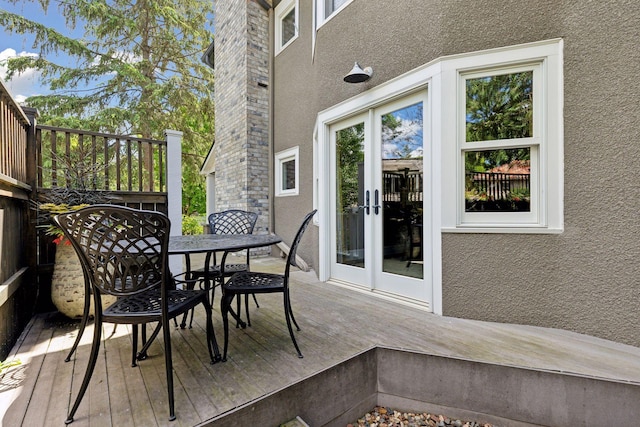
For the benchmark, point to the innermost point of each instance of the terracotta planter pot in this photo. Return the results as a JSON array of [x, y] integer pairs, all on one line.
[[67, 284]]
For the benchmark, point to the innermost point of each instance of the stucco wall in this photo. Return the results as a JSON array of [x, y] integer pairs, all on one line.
[[585, 279]]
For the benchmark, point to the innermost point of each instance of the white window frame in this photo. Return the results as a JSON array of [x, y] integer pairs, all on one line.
[[281, 158], [534, 143], [281, 11], [547, 153], [320, 12]]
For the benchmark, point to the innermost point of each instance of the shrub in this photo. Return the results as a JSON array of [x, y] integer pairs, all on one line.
[[191, 224]]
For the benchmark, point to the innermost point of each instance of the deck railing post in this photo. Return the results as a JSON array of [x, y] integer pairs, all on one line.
[[174, 190]]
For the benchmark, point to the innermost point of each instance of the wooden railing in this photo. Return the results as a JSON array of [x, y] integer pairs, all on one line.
[[403, 186], [99, 161], [499, 186], [34, 161], [18, 288], [131, 170], [13, 139]]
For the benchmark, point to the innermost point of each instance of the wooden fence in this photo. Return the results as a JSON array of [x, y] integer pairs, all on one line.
[[405, 186], [35, 163], [499, 186], [18, 289], [130, 171]]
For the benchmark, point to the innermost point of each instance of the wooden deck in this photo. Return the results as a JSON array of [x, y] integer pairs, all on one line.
[[336, 323]]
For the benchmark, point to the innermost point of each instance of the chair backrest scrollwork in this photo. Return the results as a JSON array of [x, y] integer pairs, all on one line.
[[123, 250], [232, 221]]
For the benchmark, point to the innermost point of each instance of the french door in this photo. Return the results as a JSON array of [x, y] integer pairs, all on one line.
[[377, 201]]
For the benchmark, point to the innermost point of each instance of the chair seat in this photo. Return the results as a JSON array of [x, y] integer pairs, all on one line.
[[255, 282], [147, 305]]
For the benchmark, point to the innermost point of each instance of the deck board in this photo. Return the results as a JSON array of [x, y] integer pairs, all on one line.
[[337, 323]]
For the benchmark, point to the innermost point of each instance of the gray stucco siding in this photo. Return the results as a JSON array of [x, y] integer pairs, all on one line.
[[585, 279]]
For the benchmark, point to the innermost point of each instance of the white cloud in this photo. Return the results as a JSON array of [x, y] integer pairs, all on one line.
[[405, 139], [24, 85]]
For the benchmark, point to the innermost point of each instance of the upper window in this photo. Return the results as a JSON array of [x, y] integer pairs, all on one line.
[[325, 9], [287, 172], [286, 23]]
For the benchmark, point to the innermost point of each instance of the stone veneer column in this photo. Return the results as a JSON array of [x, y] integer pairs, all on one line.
[[241, 108]]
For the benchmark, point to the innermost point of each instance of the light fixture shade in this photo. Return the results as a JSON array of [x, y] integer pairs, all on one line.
[[358, 75]]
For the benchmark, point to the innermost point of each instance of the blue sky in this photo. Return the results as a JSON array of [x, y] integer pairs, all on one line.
[[28, 83]]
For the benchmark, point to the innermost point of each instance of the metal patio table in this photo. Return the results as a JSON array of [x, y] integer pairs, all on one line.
[[207, 244]]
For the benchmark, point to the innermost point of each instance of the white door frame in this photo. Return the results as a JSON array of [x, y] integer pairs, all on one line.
[[401, 86]]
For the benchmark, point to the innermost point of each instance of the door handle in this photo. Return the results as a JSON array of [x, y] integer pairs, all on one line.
[[367, 203], [376, 207]]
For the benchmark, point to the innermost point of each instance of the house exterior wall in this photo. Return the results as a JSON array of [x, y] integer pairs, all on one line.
[[242, 109], [584, 279]]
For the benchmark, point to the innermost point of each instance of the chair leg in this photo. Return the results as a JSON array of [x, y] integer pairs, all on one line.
[[238, 312], [168, 363], [287, 315], [293, 318], [246, 308], [134, 345], [142, 354], [225, 304], [255, 300], [212, 343], [83, 325], [93, 357]]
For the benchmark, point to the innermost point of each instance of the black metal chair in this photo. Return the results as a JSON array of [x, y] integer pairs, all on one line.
[[232, 221], [247, 282], [124, 252]]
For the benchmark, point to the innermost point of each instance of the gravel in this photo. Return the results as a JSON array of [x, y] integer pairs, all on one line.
[[387, 417]]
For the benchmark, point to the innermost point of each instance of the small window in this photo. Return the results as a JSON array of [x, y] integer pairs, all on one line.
[[286, 23], [287, 167], [326, 9]]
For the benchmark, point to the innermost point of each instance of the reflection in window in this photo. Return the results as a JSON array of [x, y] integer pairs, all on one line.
[[498, 180], [289, 175], [499, 107], [288, 27], [287, 172], [350, 236], [402, 154], [286, 24], [331, 6]]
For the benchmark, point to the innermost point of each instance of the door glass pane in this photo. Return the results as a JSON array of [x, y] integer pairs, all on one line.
[[497, 180], [499, 107], [402, 184], [350, 195]]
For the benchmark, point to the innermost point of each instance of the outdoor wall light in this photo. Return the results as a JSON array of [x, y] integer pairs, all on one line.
[[358, 75]]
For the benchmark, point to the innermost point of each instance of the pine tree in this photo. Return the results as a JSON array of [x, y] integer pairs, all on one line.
[[135, 71]]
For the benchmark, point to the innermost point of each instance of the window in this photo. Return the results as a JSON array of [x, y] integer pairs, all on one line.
[[287, 167], [286, 23], [500, 145], [325, 9], [506, 171]]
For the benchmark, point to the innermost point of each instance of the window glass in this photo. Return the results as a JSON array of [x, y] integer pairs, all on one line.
[[289, 174], [498, 180], [286, 24], [499, 107], [331, 6], [288, 27]]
